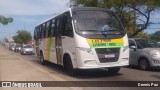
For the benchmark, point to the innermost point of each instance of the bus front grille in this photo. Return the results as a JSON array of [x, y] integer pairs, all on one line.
[[107, 55]]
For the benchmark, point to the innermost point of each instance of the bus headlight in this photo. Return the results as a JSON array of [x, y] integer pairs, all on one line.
[[155, 53], [88, 50], [125, 48]]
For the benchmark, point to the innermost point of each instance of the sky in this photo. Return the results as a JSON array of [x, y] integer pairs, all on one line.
[[28, 13]]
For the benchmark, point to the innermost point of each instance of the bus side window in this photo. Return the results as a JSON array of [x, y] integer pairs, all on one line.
[[41, 31], [52, 28], [35, 35], [44, 30], [47, 29], [38, 33], [68, 27]]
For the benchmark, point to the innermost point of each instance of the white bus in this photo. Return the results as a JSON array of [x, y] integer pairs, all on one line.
[[83, 38]]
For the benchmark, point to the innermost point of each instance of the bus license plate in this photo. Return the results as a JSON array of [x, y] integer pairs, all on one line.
[[110, 56]]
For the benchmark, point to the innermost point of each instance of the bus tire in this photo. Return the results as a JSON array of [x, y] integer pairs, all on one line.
[[43, 62], [69, 66], [114, 70]]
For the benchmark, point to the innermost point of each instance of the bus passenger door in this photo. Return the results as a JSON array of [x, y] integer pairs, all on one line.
[[53, 43], [58, 40]]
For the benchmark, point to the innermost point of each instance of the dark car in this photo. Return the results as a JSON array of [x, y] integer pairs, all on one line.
[[18, 48]]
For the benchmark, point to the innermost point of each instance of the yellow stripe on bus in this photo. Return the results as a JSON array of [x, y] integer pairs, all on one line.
[[117, 40], [90, 41], [46, 49], [97, 41]]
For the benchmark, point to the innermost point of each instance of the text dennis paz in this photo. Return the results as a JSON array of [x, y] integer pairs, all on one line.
[[148, 85]]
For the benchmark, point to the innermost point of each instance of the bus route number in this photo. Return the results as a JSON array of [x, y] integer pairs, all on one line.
[[97, 41], [100, 40]]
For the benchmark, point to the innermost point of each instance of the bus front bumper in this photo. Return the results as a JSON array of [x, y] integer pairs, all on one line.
[[91, 64]]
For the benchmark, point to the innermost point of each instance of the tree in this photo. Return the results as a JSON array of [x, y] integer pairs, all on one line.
[[130, 11], [6, 40], [5, 20], [142, 35], [22, 36], [155, 36]]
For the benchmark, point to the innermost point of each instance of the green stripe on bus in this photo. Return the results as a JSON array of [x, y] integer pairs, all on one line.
[[50, 43], [108, 44]]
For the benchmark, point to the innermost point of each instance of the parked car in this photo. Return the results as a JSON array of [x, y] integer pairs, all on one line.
[[144, 53], [11, 47], [27, 49], [18, 48]]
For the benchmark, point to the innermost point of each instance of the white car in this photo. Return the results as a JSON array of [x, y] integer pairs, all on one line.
[[27, 49], [144, 53]]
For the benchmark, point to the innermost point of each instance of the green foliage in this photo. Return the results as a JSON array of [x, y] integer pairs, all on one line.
[[22, 37], [5, 20], [129, 11], [142, 35], [6, 40], [155, 36]]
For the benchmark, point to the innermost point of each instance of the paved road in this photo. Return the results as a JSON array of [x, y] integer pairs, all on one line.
[[15, 67]]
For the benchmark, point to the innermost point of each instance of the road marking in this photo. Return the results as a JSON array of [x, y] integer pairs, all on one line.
[[54, 76]]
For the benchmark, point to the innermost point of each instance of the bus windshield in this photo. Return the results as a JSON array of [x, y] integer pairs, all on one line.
[[87, 22]]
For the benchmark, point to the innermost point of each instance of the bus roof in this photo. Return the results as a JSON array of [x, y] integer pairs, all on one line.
[[74, 9], [52, 17], [89, 8]]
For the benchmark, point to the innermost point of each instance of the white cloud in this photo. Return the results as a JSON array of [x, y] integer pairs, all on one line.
[[32, 7]]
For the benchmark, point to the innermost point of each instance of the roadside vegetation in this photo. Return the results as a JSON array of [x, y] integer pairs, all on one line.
[[135, 15], [5, 20], [22, 37]]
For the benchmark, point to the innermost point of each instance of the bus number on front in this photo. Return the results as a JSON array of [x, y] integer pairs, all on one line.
[[97, 41]]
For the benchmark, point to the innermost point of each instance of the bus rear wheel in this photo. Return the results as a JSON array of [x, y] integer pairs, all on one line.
[[43, 62], [69, 66]]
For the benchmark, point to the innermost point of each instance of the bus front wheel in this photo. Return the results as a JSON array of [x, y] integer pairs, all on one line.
[[69, 66]]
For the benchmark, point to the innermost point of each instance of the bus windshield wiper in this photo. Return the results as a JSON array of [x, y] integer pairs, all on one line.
[[90, 30], [111, 29]]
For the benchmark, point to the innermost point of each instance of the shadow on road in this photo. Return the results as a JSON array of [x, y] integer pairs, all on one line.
[[81, 74], [156, 76], [150, 70], [95, 73]]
